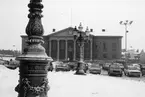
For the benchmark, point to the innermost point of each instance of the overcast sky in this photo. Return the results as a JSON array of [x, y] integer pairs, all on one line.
[[60, 14]]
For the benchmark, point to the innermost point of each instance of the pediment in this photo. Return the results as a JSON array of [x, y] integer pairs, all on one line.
[[65, 32]]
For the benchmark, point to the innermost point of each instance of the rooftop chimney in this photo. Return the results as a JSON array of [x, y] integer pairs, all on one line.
[[103, 30], [91, 30], [53, 30]]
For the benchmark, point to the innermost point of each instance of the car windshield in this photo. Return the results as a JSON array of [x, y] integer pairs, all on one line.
[[115, 65], [132, 68]]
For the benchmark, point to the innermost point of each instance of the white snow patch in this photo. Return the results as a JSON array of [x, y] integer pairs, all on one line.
[[66, 84]]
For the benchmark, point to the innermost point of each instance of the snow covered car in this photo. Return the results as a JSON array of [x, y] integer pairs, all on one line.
[[73, 65], [13, 64], [95, 69], [50, 66], [62, 67], [136, 65], [106, 66], [121, 66], [2, 62], [132, 71], [115, 69], [142, 67]]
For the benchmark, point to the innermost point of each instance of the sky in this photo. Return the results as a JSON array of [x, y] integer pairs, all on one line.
[[60, 14]]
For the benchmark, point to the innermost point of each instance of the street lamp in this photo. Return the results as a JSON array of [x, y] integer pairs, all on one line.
[[33, 67], [126, 23], [14, 51], [81, 37]]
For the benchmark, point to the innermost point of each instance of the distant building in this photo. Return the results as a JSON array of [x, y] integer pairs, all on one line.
[[133, 54], [60, 45], [142, 57]]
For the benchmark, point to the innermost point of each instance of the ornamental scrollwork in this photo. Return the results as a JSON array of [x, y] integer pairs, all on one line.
[[36, 90]]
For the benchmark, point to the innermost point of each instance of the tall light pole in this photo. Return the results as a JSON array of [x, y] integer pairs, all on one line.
[[14, 50], [126, 23], [81, 37], [34, 61]]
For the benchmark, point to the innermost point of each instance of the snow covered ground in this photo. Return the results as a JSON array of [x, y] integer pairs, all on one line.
[[66, 84]]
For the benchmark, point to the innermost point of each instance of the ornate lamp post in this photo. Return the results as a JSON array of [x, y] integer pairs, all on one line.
[[81, 37], [126, 23], [33, 80]]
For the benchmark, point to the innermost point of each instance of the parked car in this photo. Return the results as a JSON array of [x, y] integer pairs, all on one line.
[[121, 66], [2, 62], [106, 66], [12, 64], [73, 65], [54, 63], [94, 69], [50, 66], [142, 68], [132, 71], [62, 67], [136, 65], [115, 69]]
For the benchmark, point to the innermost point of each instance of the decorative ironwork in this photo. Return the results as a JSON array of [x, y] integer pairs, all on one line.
[[81, 37], [34, 27], [36, 90], [34, 60]]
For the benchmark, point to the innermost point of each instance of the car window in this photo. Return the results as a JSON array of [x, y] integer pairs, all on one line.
[[132, 68]]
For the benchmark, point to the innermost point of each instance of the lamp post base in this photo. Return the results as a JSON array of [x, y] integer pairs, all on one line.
[[80, 72], [81, 68]]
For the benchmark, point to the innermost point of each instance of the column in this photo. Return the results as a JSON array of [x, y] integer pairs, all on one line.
[[33, 80], [50, 48], [58, 50], [91, 46], [65, 49], [74, 50]]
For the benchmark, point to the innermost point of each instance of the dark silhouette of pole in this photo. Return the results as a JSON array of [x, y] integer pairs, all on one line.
[[126, 23], [33, 80], [80, 38]]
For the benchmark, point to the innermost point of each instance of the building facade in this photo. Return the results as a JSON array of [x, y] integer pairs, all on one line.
[[61, 46]]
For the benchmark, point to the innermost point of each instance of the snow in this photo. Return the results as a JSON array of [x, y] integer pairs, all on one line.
[[66, 84]]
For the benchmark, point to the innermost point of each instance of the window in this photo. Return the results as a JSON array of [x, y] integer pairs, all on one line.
[[97, 46], [62, 44], [104, 47], [114, 46], [105, 55], [114, 56], [54, 44]]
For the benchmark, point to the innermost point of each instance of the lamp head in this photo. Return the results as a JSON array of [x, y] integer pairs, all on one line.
[[87, 32], [75, 32], [121, 22], [80, 27], [130, 22]]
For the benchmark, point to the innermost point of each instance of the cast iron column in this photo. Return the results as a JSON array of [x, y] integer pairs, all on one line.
[[81, 51], [33, 80]]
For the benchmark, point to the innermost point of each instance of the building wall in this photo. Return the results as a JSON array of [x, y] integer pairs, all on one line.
[[106, 47], [103, 47]]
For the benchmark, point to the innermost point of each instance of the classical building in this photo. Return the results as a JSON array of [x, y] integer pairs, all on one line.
[[61, 45]]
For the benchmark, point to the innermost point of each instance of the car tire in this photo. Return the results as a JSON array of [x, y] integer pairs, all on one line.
[[120, 75], [128, 75], [109, 74]]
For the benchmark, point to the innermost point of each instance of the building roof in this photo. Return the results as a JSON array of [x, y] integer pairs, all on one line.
[[70, 30], [102, 34]]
